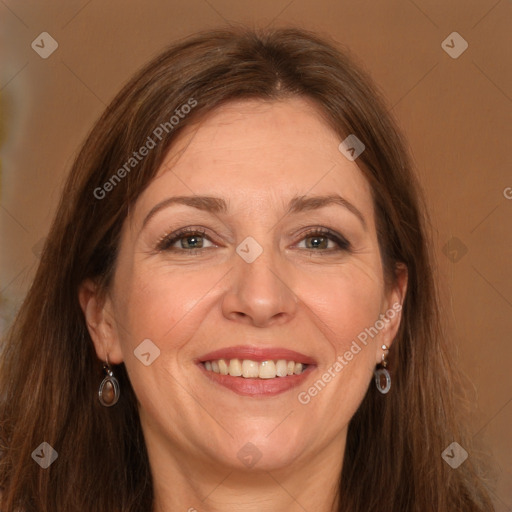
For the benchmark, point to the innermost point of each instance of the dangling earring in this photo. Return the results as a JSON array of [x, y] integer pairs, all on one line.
[[108, 392], [382, 377]]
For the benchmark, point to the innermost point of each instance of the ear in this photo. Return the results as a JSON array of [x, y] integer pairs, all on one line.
[[392, 309], [98, 313]]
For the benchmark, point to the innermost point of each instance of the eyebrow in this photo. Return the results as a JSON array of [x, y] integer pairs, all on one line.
[[217, 205]]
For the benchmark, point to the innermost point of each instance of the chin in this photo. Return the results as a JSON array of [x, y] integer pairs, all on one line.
[[269, 447]]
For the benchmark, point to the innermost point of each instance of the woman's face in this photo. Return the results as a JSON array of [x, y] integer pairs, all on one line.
[[270, 271]]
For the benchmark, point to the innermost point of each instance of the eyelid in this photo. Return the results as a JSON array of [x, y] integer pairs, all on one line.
[[166, 241], [342, 242]]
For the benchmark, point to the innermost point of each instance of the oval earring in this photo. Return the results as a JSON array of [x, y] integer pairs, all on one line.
[[381, 375], [109, 391]]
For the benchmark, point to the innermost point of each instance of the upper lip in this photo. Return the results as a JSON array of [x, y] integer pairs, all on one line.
[[255, 353]]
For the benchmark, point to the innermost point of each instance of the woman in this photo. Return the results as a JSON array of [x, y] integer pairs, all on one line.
[[235, 308]]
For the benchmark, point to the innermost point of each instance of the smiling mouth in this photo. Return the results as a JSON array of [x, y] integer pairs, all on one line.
[[249, 369]]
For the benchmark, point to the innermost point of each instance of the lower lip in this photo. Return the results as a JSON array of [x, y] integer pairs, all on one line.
[[258, 387]]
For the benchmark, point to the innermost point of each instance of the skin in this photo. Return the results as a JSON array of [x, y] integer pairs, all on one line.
[[256, 155]]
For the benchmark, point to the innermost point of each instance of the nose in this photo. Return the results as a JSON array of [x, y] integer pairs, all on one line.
[[259, 293]]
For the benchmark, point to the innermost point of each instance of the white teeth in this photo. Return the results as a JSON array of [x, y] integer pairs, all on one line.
[[249, 369], [281, 368], [235, 368], [223, 367], [267, 370]]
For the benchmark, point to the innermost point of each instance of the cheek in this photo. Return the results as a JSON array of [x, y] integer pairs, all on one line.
[[167, 307], [164, 305], [345, 302]]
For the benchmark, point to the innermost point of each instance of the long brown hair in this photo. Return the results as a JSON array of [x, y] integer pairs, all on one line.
[[50, 373]]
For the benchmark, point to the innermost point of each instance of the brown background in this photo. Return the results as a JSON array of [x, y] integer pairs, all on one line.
[[455, 112]]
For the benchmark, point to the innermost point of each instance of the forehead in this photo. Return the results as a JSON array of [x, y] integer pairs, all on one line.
[[260, 150]]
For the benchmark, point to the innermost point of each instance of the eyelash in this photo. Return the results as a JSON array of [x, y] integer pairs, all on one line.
[[166, 242]]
